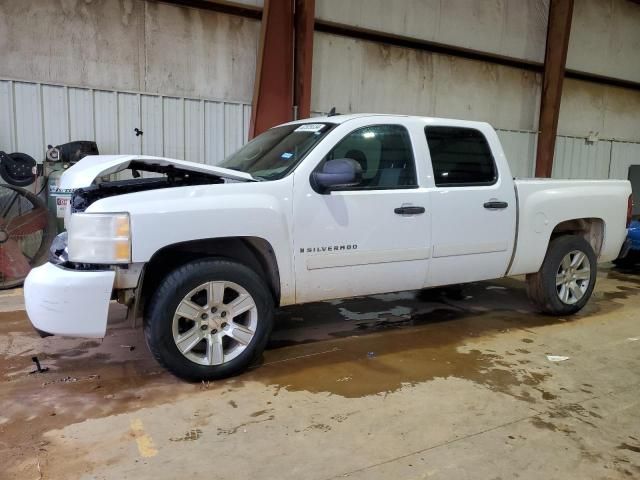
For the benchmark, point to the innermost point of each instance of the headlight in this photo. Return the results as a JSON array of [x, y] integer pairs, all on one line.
[[99, 238]]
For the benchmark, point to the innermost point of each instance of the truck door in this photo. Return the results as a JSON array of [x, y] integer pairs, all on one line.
[[473, 206], [370, 238]]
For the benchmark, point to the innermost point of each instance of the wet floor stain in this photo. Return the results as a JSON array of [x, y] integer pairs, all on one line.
[[626, 446], [322, 427], [626, 275], [189, 436], [387, 353], [546, 395], [261, 412], [243, 426]]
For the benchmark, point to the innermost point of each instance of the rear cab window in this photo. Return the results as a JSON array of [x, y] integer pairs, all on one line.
[[460, 157]]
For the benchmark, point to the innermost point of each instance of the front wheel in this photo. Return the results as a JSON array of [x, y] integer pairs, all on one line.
[[209, 319], [565, 282]]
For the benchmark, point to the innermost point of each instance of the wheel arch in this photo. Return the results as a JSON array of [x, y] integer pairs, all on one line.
[[591, 229], [253, 252]]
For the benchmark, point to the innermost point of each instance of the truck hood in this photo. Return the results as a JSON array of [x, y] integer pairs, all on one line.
[[83, 173]]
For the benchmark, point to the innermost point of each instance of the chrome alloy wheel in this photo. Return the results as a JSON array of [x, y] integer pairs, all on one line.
[[215, 322], [573, 277]]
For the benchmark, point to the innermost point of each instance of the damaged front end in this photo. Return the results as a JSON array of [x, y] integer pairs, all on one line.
[[170, 176], [70, 295]]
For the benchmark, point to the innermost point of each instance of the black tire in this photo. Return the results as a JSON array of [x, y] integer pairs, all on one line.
[[541, 286], [173, 289], [17, 169]]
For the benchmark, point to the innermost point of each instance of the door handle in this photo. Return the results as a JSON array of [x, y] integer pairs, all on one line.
[[495, 205], [409, 210]]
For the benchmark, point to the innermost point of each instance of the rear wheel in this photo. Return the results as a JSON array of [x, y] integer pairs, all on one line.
[[565, 282], [209, 319]]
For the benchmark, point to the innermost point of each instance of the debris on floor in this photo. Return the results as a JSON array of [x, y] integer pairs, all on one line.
[[38, 369], [557, 358]]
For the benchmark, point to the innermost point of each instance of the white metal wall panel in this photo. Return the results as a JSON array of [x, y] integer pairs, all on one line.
[[33, 115], [151, 124], [128, 121], [234, 137], [55, 111], [106, 107], [520, 149], [214, 140], [173, 115], [623, 155], [578, 158], [28, 119], [6, 116], [194, 130], [81, 114]]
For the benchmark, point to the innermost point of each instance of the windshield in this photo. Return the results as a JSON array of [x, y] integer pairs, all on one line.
[[274, 153]]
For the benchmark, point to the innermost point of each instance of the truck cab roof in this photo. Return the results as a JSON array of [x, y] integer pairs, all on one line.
[[339, 119]]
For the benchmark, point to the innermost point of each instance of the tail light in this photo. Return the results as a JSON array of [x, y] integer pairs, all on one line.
[[629, 210]]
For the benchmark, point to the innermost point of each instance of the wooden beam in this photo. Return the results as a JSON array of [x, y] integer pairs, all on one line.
[[555, 59], [303, 61], [273, 90]]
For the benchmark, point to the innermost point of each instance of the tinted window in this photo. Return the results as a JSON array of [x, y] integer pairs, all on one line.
[[384, 152], [460, 156]]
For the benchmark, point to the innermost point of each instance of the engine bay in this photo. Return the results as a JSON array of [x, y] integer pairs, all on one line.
[[172, 177]]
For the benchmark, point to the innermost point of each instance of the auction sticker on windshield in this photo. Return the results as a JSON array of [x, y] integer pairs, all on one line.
[[310, 127]]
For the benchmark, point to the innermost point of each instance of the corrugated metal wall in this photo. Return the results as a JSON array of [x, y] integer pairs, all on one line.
[[33, 115], [520, 149], [623, 155], [575, 157], [578, 158]]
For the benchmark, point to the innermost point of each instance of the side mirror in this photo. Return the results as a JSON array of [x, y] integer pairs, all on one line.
[[341, 172]]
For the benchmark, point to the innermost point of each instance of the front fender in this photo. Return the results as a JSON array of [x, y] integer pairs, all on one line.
[[166, 217]]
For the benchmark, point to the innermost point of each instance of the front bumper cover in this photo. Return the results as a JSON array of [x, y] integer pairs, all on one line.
[[67, 302]]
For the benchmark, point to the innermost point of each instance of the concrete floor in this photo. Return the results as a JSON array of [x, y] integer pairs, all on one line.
[[403, 386]]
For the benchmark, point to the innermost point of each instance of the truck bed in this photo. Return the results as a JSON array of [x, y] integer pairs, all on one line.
[[546, 206]]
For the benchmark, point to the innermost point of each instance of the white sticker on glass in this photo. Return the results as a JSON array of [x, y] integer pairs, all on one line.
[[310, 127]]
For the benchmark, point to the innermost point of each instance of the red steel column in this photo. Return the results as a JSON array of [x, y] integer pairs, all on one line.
[[273, 91], [303, 61], [555, 58]]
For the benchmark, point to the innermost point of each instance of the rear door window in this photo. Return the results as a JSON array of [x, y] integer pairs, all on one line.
[[460, 157]]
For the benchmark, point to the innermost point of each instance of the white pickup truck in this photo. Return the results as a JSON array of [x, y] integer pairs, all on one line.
[[317, 209]]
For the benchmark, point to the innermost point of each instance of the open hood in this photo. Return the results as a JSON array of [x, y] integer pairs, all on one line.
[[83, 173]]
